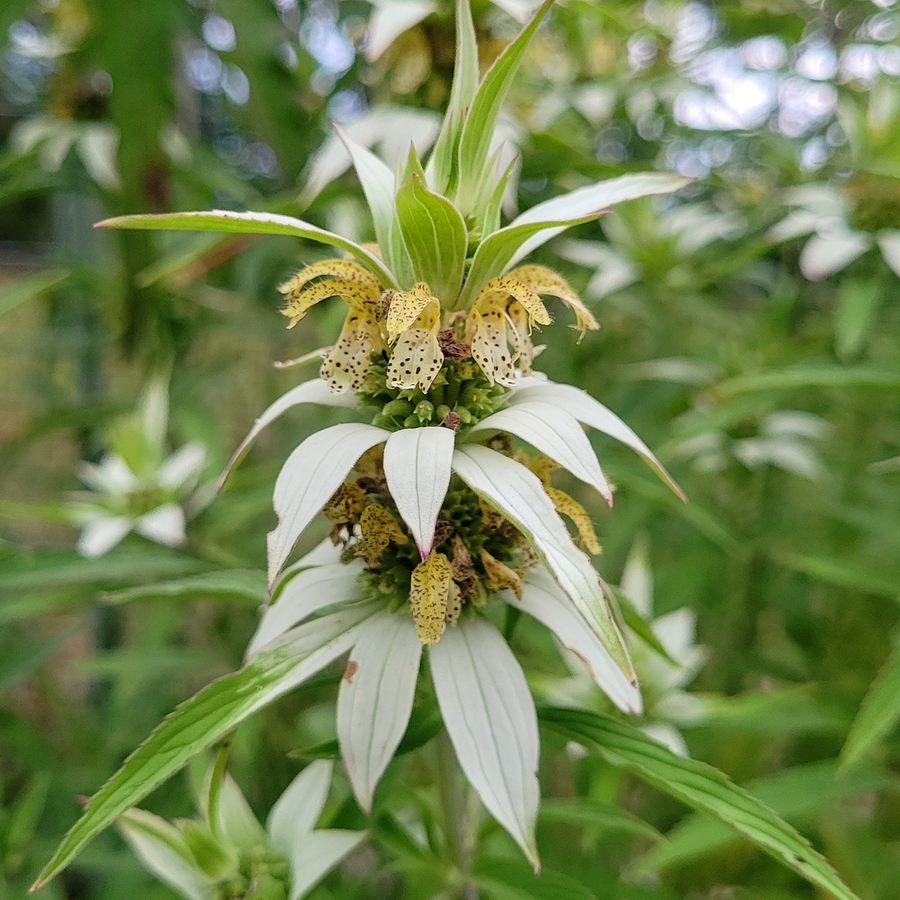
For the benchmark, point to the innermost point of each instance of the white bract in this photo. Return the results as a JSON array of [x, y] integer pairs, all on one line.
[[227, 853]]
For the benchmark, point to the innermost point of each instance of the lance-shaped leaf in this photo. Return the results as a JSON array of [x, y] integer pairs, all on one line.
[[475, 139], [590, 200], [379, 185], [312, 473], [215, 711], [879, 712], [253, 223], [439, 170], [375, 699], [435, 236], [556, 434], [417, 468], [519, 495], [494, 253], [586, 409], [702, 787], [309, 591], [315, 854], [489, 715], [542, 598]]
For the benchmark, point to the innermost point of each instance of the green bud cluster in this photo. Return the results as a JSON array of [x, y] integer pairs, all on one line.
[[460, 388], [144, 500]]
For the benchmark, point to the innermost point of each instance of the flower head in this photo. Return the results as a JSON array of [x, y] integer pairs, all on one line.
[[437, 520], [226, 853], [135, 487]]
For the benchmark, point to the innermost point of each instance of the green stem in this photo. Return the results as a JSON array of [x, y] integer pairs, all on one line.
[[216, 774], [453, 794]]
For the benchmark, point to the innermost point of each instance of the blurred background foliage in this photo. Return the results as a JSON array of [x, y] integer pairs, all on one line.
[[750, 333]]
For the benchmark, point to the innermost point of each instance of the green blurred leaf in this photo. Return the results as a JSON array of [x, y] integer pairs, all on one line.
[[239, 584], [700, 786], [507, 879], [790, 710], [583, 811], [43, 569], [856, 305], [15, 293], [849, 573], [21, 655], [814, 376], [879, 712]]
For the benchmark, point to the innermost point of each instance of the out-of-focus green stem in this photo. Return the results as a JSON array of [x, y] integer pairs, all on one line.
[[453, 793]]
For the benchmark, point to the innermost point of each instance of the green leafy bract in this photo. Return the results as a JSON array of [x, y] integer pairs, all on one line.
[[435, 236], [475, 139]]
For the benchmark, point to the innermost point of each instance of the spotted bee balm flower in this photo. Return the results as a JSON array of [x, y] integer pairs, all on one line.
[[436, 517]]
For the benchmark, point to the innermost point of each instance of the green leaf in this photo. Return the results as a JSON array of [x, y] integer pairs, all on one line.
[[856, 305], [207, 716], [584, 811], [796, 709], [812, 376], [24, 289], [239, 584], [440, 170], [640, 626], [507, 879], [700, 786], [478, 129], [435, 236], [879, 712], [252, 223], [46, 569], [847, 573], [379, 185], [795, 794], [21, 655]]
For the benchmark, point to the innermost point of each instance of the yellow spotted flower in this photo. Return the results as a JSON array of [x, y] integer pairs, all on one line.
[[346, 365]]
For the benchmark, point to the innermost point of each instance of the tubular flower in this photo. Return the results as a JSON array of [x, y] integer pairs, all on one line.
[[413, 321], [345, 366], [502, 317]]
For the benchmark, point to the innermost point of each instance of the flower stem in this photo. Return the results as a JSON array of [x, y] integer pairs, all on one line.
[[454, 799]]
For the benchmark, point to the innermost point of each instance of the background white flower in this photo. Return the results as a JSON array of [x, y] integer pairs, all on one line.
[[228, 853], [135, 487]]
